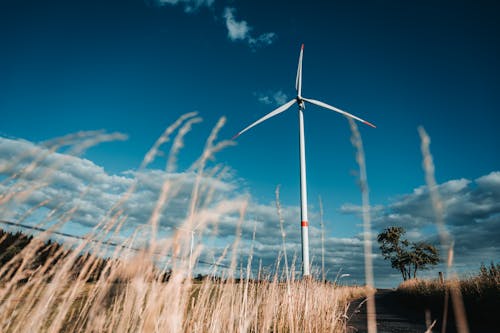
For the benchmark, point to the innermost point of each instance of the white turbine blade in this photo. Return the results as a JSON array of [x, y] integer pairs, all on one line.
[[282, 108], [298, 79], [326, 106]]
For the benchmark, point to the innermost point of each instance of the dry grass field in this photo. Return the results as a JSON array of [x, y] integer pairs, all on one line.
[[480, 294], [132, 296], [92, 287]]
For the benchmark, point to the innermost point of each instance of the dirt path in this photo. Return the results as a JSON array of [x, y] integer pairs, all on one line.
[[391, 318]]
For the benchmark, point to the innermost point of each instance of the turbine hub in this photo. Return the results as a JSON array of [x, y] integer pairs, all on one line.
[[300, 102]]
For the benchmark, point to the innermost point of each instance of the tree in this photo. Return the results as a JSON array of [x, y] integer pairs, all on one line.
[[406, 256], [394, 249], [423, 254]]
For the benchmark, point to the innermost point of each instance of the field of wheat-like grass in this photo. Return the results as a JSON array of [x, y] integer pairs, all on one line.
[[104, 283]]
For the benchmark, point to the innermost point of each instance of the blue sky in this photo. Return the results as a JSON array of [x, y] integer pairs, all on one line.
[[134, 67]]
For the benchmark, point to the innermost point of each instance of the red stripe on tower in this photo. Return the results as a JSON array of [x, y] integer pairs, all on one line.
[[304, 224]]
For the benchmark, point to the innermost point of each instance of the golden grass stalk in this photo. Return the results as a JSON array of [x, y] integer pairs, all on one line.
[[367, 238], [445, 237]]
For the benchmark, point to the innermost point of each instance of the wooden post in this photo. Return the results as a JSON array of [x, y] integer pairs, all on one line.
[[441, 278]]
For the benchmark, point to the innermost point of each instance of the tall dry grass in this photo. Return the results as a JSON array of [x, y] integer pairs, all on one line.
[[480, 294], [137, 290], [483, 284]]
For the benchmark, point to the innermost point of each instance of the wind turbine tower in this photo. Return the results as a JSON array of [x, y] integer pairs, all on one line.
[[304, 222]]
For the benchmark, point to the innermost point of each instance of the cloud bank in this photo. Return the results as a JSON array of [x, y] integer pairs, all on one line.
[[471, 214], [62, 183]]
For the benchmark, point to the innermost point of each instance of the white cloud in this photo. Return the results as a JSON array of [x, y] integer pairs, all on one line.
[[241, 31], [349, 208], [490, 181], [471, 214], [189, 5], [264, 39], [70, 181], [465, 202], [273, 97], [280, 97], [265, 99], [235, 30]]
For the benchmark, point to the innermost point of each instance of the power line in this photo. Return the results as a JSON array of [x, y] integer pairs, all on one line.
[[110, 243]]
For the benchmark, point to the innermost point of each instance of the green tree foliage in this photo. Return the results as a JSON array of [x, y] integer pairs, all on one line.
[[406, 256]]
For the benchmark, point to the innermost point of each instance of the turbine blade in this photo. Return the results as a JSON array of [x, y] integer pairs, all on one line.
[[282, 108], [347, 114], [298, 79]]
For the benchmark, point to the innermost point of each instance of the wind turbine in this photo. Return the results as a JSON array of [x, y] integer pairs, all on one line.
[[304, 224]]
